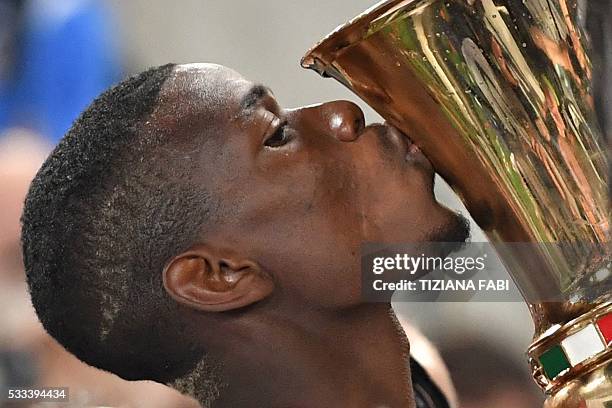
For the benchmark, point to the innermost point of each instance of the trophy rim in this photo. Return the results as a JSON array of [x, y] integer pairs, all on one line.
[[348, 34]]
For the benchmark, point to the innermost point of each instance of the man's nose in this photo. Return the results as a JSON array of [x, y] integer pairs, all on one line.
[[343, 119]]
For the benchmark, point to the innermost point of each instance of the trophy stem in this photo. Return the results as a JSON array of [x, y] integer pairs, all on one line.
[[574, 354]]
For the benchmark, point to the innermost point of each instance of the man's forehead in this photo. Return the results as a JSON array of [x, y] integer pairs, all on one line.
[[204, 66], [207, 78], [196, 91]]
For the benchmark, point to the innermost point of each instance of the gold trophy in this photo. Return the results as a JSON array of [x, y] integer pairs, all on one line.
[[497, 94]]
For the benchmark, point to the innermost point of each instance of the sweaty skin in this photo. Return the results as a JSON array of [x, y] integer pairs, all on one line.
[[273, 286]]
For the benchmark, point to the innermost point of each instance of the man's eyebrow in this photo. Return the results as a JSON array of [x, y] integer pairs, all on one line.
[[254, 95]]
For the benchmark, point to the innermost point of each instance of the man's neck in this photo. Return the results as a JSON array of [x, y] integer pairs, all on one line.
[[359, 360]]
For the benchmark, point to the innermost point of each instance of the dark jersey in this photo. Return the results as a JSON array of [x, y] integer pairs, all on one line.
[[426, 393]]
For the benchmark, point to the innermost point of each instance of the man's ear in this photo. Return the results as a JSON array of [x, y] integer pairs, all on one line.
[[202, 278]]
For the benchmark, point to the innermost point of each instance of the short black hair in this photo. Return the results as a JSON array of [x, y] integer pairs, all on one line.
[[103, 215]]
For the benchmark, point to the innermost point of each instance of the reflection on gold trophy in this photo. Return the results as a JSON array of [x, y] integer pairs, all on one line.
[[496, 93]]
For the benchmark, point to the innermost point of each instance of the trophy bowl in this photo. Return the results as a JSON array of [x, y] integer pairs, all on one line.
[[497, 94]]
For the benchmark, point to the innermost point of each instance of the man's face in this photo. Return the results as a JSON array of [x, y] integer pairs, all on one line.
[[300, 189]]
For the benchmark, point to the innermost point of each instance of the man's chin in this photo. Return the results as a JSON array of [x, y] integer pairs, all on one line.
[[453, 233]]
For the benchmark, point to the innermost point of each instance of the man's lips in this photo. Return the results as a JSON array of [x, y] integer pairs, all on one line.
[[405, 143], [411, 152], [407, 148]]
